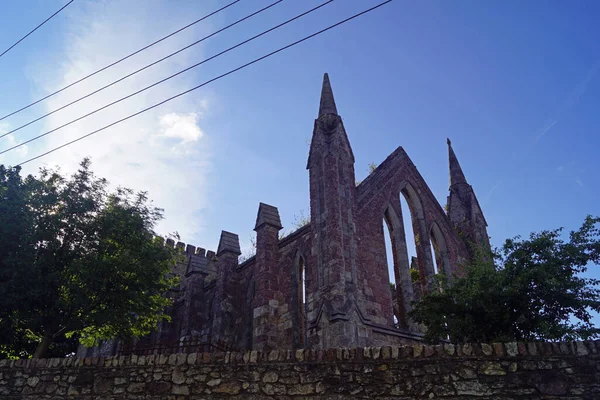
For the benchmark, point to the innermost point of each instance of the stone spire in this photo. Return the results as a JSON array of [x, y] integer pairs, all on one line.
[[463, 207], [327, 105], [329, 128], [456, 174], [333, 306]]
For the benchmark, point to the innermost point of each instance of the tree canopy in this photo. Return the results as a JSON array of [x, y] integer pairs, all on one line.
[[77, 262], [529, 289]]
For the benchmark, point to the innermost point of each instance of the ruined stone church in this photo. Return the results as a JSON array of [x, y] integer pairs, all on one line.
[[327, 284]]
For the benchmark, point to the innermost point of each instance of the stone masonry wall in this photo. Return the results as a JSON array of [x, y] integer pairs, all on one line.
[[498, 371]]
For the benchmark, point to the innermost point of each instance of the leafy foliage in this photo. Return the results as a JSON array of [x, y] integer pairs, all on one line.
[[300, 220], [529, 289], [77, 262]]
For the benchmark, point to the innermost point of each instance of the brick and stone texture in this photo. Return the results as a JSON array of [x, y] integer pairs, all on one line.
[[567, 370], [327, 284]]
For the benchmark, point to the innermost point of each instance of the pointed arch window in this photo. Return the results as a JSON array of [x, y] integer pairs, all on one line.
[[439, 251], [413, 219], [398, 266]]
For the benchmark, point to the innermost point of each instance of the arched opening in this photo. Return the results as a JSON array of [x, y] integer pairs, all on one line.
[[436, 260], [398, 266], [407, 220], [390, 260], [419, 233], [439, 251]]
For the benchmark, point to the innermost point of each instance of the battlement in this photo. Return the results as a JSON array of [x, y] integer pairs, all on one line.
[[187, 249]]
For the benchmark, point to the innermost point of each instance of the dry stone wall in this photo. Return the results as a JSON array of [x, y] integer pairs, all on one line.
[[487, 371]]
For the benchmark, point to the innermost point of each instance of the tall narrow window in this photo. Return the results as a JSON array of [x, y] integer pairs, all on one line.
[[436, 259], [407, 219], [439, 251], [389, 255], [301, 301], [417, 242], [391, 276]]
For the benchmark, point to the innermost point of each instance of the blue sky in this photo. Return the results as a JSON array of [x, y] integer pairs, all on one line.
[[515, 85]]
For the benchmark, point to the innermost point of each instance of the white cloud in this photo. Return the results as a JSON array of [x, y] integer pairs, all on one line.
[[181, 126], [145, 152], [12, 141], [9, 141]]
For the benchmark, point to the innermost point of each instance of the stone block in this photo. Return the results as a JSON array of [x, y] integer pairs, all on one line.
[[498, 349], [417, 350], [511, 349], [486, 349]]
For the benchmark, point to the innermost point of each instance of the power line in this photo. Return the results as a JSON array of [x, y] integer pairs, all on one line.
[[162, 80], [144, 68], [119, 60], [207, 82], [35, 29]]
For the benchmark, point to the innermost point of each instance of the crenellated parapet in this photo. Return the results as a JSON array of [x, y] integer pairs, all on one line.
[[195, 260]]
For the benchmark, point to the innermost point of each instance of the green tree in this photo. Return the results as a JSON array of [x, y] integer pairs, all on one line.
[[77, 261], [15, 231], [530, 289]]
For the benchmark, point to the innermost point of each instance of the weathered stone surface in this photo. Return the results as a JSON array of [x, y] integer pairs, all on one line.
[[511, 349], [270, 377], [181, 389], [492, 368], [331, 374], [178, 377], [136, 387], [33, 381], [213, 382], [229, 387], [486, 349], [158, 388]]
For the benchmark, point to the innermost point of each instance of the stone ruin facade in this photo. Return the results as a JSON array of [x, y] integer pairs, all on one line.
[[326, 285]]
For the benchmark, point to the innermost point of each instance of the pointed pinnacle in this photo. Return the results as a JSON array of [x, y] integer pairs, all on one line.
[[456, 174], [229, 242], [267, 215], [327, 105]]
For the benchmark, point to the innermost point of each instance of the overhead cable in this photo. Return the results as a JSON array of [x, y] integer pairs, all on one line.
[[162, 80], [36, 28], [141, 69], [119, 60], [207, 82]]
